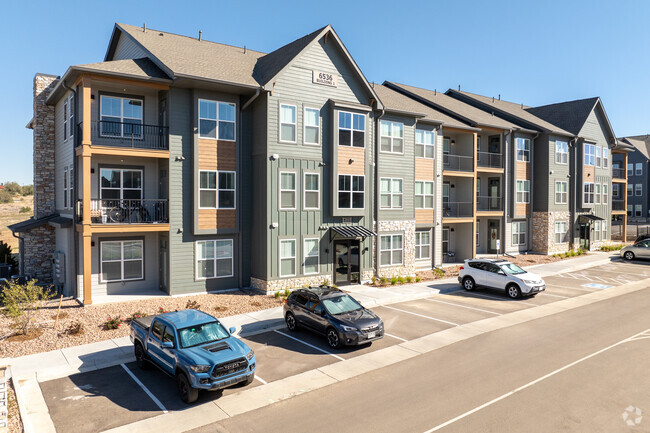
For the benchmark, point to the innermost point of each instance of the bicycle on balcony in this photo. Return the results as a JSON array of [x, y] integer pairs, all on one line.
[[128, 211]]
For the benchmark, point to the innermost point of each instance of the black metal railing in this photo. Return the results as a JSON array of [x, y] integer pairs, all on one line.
[[618, 205], [489, 203], [489, 160], [457, 162], [124, 134], [143, 211], [619, 173], [457, 209]]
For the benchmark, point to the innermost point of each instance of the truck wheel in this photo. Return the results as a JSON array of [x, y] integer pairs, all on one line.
[[141, 356], [187, 393]]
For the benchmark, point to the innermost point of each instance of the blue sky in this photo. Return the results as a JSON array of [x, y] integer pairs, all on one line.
[[528, 51]]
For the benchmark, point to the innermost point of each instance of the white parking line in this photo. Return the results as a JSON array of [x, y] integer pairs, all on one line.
[[421, 315], [463, 306], [395, 336], [310, 345], [481, 295], [555, 296], [264, 382], [144, 388]]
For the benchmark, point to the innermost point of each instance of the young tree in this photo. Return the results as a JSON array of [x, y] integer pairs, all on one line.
[[21, 301]]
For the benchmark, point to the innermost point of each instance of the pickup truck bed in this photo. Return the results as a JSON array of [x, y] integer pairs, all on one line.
[[144, 322]]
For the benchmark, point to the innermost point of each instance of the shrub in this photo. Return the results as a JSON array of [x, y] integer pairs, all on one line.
[[374, 280], [112, 323], [161, 310], [418, 279], [287, 292], [5, 196], [25, 209], [192, 305], [137, 315], [572, 253], [277, 295], [579, 252], [383, 281], [6, 256], [13, 188], [438, 273], [393, 281], [400, 279], [326, 282], [409, 279], [74, 328], [566, 254], [28, 190], [21, 303]]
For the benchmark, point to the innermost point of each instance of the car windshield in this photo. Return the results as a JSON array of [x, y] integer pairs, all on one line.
[[201, 334], [512, 269], [341, 304]]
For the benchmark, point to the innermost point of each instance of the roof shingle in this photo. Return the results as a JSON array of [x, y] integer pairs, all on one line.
[[570, 115]]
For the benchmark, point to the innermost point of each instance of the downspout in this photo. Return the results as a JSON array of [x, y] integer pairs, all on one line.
[[376, 196], [21, 253], [74, 183], [506, 187]]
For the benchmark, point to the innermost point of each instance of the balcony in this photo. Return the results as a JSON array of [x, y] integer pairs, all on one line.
[[457, 209], [618, 173], [127, 135], [489, 160], [458, 163], [489, 203], [618, 205], [144, 211]]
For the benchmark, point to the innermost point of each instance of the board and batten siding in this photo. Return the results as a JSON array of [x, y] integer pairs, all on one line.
[[127, 48], [63, 155], [561, 173]]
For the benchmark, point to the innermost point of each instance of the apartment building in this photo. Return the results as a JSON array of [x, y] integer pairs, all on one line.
[[632, 198], [179, 165]]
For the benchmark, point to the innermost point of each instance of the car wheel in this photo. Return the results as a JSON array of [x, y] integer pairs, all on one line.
[[292, 323], [468, 284], [629, 255], [333, 338], [513, 291], [187, 393], [141, 356]]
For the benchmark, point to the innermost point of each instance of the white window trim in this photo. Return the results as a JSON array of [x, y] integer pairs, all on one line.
[[585, 198], [351, 129], [638, 189], [638, 169], [214, 260], [590, 156], [638, 210], [525, 192], [351, 192], [526, 149], [425, 145], [563, 194], [563, 233], [390, 193], [294, 190], [391, 137], [305, 126], [294, 124], [562, 155], [304, 192], [597, 191], [630, 169], [280, 258], [216, 137], [66, 185], [599, 156], [234, 190], [101, 261], [391, 250], [518, 232], [305, 256], [66, 116], [217, 190], [605, 157], [419, 244], [605, 192], [425, 195], [630, 190], [122, 117], [71, 187]]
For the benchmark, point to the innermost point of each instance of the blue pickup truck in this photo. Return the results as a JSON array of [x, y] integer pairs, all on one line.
[[195, 348]]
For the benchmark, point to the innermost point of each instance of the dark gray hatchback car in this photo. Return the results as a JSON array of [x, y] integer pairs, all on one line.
[[333, 313]]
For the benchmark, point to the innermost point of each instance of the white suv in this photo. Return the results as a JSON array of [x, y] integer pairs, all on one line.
[[500, 274]]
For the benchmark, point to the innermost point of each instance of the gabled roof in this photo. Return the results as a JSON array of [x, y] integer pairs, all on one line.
[[570, 116], [27, 225], [453, 107], [640, 143], [518, 111]]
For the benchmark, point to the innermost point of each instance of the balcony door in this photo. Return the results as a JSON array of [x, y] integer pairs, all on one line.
[[494, 193], [494, 144], [493, 234]]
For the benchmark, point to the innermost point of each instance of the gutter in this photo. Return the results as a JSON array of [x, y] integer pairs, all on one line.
[[21, 253], [74, 181]]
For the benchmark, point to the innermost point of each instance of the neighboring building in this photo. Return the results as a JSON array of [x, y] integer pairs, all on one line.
[[635, 193]]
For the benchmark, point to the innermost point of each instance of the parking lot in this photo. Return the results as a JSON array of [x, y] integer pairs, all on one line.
[[124, 394]]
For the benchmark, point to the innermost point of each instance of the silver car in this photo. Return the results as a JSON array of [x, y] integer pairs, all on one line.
[[500, 274], [640, 250]]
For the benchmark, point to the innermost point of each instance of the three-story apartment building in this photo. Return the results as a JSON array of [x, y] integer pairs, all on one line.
[[632, 197]]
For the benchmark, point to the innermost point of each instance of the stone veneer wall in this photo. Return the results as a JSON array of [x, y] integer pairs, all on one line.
[[544, 232], [273, 286], [407, 227], [39, 246]]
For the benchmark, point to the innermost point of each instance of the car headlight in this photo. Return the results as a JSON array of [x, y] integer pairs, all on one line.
[[530, 282], [250, 355], [348, 328], [200, 368]]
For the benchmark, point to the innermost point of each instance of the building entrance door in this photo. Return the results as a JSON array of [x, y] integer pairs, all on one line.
[[493, 235], [584, 236], [347, 261]]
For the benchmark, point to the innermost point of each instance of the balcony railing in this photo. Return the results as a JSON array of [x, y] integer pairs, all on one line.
[[618, 205], [124, 134], [457, 209], [489, 203], [489, 160], [144, 211], [618, 173], [457, 162]]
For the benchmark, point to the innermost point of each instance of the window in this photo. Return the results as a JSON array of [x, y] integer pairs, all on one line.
[[312, 126], [71, 187], [121, 260], [392, 137], [311, 200], [630, 170], [157, 330], [65, 119], [216, 120], [605, 192], [638, 169], [561, 234], [120, 184], [288, 258], [121, 117], [638, 189], [597, 194], [311, 256], [478, 188], [351, 192], [519, 233], [560, 192], [391, 250], [423, 195], [288, 123], [523, 149], [523, 191], [422, 244], [597, 230], [637, 210], [478, 233], [629, 210], [226, 190], [287, 190], [390, 193], [217, 189], [65, 188], [603, 225], [424, 144], [561, 152], [352, 129], [214, 259], [605, 157], [630, 187], [590, 151], [588, 193], [598, 156]]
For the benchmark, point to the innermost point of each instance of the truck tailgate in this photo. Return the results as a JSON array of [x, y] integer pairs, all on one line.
[[144, 322]]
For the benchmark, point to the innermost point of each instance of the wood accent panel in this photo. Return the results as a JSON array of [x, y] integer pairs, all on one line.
[[424, 169], [122, 151], [589, 173], [124, 81], [522, 209], [216, 219], [85, 111], [345, 153], [217, 155], [522, 170], [424, 216], [128, 228]]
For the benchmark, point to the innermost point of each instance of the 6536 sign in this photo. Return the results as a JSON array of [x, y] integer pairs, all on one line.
[[324, 78]]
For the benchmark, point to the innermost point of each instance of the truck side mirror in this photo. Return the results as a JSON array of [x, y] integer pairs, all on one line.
[[232, 329], [168, 345]]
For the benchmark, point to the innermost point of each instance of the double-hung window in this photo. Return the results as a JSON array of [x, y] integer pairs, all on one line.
[[214, 259], [65, 118], [351, 194], [121, 260], [638, 169], [523, 149], [561, 152], [519, 233], [588, 193], [312, 126], [391, 193], [287, 190], [599, 156], [561, 232], [311, 200], [288, 123], [523, 191], [630, 170], [605, 196], [287, 257], [424, 144], [638, 189], [120, 184], [71, 124], [637, 210], [352, 129], [216, 120], [217, 189], [605, 157], [311, 256], [391, 250], [597, 230], [630, 188], [422, 244], [423, 195], [121, 117], [392, 137], [590, 154], [597, 193], [71, 187], [603, 225], [561, 192], [66, 181]]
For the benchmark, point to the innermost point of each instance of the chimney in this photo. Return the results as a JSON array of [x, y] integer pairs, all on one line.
[[144, 28], [200, 33], [43, 127], [499, 96]]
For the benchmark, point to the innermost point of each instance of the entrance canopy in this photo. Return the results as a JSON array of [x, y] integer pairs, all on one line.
[[348, 232], [589, 218]]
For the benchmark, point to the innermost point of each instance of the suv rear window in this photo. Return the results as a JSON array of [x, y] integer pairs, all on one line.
[[477, 265], [301, 299]]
